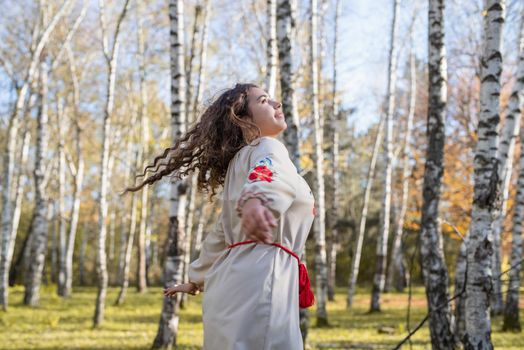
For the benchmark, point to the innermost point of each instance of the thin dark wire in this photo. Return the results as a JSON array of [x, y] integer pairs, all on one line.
[[408, 337]]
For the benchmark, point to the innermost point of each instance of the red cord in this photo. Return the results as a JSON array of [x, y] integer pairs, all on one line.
[[305, 294]]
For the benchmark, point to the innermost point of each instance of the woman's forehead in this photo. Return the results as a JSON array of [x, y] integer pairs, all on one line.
[[254, 93]]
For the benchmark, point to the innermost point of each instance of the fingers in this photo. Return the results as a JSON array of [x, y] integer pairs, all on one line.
[[270, 218], [259, 226], [266, 225], [170, 292]]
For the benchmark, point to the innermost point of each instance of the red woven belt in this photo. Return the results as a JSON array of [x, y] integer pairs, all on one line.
[[305, 295]]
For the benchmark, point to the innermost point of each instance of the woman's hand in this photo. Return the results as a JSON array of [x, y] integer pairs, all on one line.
[[257, 221], [189, 288]]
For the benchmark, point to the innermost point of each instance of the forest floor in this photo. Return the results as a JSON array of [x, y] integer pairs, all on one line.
[[66, 323]]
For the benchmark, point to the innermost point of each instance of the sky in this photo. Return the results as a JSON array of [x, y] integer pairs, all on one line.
[[364, 42]]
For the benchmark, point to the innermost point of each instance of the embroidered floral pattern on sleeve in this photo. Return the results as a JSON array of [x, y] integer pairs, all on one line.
[[262, 171]]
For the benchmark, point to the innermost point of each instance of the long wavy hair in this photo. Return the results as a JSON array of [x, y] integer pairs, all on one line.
[[222, 130]]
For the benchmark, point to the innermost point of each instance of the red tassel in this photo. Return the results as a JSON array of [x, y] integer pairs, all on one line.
[[306, 298]]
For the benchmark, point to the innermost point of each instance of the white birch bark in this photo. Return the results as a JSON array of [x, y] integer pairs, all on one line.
[[40, 40], [397, 273], [83, 253], [144, 126], [334, 176], [271, 48], [200, 82], [514, 111], [357, 254], [40, 226], [101, 258], [62, 223], [127, 253], [459, 321], [506, 151], [382, 241], [286, 27], [319, 223], [19, 196], [202, 77], [486, 198], [7, 255], [77, 172], [173, 270], [434, 270]]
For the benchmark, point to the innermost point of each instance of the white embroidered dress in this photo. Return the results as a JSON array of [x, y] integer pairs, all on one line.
[[250, 297]]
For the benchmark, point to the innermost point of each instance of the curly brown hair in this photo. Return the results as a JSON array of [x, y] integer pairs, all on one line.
[[222, 130]]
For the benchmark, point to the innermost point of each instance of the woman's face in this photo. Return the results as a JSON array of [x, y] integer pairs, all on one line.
[[266, 112]]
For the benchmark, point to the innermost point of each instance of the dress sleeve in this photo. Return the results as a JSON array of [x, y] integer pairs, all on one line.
[[212, 247], [270, 178]]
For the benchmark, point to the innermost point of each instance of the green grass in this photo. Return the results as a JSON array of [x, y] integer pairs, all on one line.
[[67, 323]]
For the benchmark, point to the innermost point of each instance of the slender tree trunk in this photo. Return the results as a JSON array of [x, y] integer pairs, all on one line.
[[355, 261], [101, 261], [271, 49], [6, 259], [77, 171], [9, 159], [509, 134], [82, 255], [124, 277], [398, 275], [201, 80], [515, 106], [54, 243], [40, 226], [173, 270], [61, 204], [435, 273], [486, 200], [190, 88], [511, 311], [286, 26], [18, 267], [144, 123], [319, 224], [382, 241], [334, 176]]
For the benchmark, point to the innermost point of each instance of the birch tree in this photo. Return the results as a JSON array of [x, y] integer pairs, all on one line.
[[397, 273], [286, 27], [192, 115], [434, 271], [144, 145], [355, 261], [173, 269], [129, 222], [271, 49], [41, 38], [514, 112], [486, 188], [125, 259], [379, 278], [506, 151], [110, 56], [40, 226], [334, 176], [319, 223]]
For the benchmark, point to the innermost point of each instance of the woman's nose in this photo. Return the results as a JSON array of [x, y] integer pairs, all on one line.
[[277, 104]]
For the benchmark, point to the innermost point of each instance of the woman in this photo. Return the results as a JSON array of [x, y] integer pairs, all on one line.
[[249, 264]]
